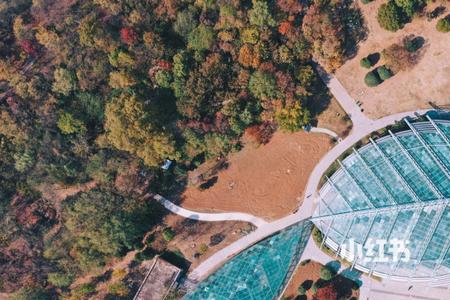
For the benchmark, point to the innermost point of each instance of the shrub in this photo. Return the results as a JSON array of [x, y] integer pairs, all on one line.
[[412, 44], [326, 273], [365, 63], [83, 290], [168, 234], [443, 25], [118, 289], [301, 290], [314, 288], [372, 79], [60, 280], [384, 73], [389, 16], [203, 248], [366, 1]]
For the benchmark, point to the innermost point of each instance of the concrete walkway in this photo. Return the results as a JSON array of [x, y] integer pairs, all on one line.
[[325, 131], [210, 217], [309, 203]]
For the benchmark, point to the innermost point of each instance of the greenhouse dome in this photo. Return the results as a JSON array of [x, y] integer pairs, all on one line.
[[395, 188]]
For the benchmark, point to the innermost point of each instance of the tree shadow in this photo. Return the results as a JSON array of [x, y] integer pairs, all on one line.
[[374, 58], [209, 183], [307, 284], [355, 28]]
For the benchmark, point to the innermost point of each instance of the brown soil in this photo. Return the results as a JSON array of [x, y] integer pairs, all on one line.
[[191, 236], [310, 271], [408, 90], [335, 118], [265, 181]]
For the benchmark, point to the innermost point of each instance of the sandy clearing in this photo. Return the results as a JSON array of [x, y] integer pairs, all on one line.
[[428, 81], [266, 181]]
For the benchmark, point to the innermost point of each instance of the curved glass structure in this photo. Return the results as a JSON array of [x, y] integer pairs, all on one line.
[[259, 272], [391, 191]]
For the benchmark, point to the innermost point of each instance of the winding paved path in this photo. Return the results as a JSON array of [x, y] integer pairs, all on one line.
[[211, 217], [362, 127]]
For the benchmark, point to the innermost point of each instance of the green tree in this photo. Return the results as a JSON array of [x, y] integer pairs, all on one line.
[[128, 128], [263, 85], [371, 79], [260, 14], [69, 125], [30, 293], [201, 38], [64, 81], [293, 117], [443, 25], [389, 16], [326, 273], [185, 23], [61, 280], [163, 78], [409, 6], [384, 73], [365, 63]]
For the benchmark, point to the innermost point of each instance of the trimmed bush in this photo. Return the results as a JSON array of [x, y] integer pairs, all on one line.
[[326, 273], [384, 73], [443, 25], [365, 63], [372, 79], [314, 288], [168, 234], [301, 290]]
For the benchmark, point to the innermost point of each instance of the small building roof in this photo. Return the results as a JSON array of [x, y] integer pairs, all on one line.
[[158, 281]]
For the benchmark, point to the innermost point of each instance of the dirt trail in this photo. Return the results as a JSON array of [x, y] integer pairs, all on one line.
[[267, 181]]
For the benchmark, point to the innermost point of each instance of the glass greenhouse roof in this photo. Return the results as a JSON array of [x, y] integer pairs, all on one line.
[[397, 187], [259, 272]]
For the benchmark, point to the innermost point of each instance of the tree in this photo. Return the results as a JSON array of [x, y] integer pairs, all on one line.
[[64, 82], [30, 293], [121, 80], [60, 280], [69, 125], [103, 223], [201, 38], [384, 73], [372, 79], [389, 16], [185, 23], [365, 63], [248, 57], [128, 128], [292, 117], [409, 6], [326, 273], [323, 29], [263, 85], [118, 289], [163, 78], [443, 25], [128, 36], [260, 15], [290, 6]]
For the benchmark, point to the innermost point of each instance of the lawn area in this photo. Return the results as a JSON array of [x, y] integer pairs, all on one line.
[[428, 81], [266, 180]]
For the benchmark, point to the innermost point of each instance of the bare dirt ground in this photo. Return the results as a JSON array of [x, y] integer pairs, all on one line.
[[266, 181], [334, 118], [311, 272], [192, 237], [428, 81]]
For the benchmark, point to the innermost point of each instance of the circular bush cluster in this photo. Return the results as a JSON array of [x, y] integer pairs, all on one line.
[[443, 25], [384, 73], [365, 63], [372, 79]]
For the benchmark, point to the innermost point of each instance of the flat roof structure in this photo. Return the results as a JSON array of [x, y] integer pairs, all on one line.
[[159, 279], [396, 188], [259, 272]]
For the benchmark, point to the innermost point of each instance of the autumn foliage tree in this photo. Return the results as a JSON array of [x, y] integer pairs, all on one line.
[[128, 36], [325, 32]]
